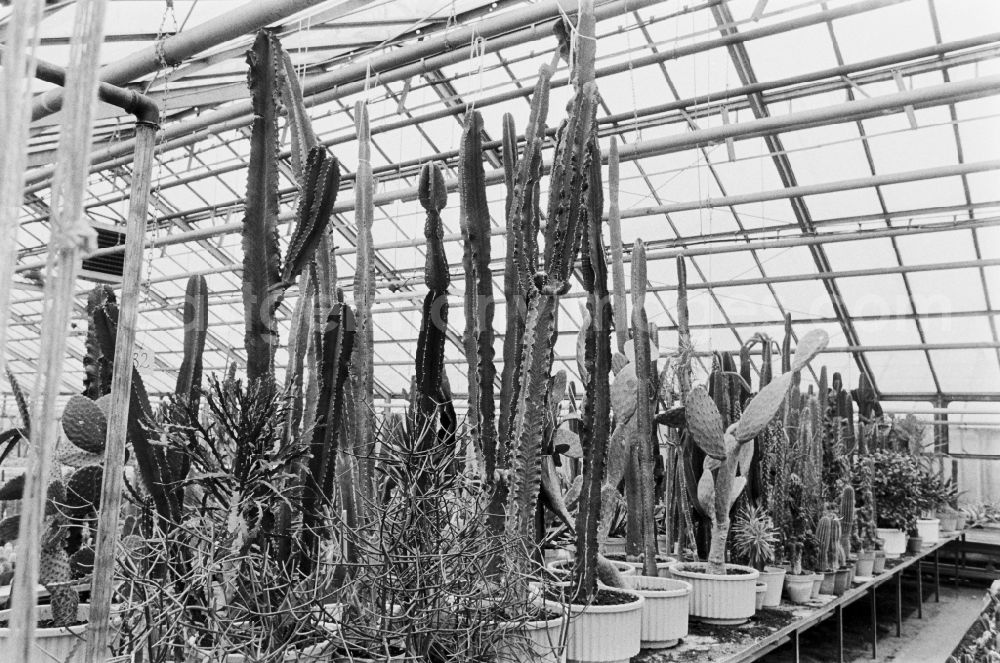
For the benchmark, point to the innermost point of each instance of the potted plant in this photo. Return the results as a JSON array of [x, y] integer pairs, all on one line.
[[826, 555], [896, 491], [754, 541], [799, 581], [867, 535], [724, 593]]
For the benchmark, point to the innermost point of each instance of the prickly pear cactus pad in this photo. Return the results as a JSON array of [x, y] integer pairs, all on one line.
[[84, 424]]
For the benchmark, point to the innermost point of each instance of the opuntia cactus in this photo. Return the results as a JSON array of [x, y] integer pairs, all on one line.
[[728, 450]]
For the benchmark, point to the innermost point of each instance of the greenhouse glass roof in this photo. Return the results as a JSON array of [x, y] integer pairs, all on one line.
[[873, 124]]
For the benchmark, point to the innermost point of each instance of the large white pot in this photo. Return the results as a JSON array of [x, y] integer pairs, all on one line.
[[893, 542], [62, 644], [665, 613], [774, 578], [605, 633], [720, 599], [929, 529], [535, 642], [614, 545], [624, 568]]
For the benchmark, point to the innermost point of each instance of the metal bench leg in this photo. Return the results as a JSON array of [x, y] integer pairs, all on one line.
[[920, 590], [874, 624], [899, 604], [840, 633], [937, 577]]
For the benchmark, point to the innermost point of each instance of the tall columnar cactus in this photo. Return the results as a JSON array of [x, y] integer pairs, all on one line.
[[837, 554], [727, 449], [514, 294], [474, 220], [264, 279], [97, 370], [195, 330], [645, 396], [617, 258], [847, 518], [824, 542], [683, 331]]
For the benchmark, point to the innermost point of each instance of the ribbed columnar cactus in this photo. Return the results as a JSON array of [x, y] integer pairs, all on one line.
[[96, 368], [837, 553], [617, 258], [824, 542], [727, 449], [474, 221], [645, 395], [847, 518]]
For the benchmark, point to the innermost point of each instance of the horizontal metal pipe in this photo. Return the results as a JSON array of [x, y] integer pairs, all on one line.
[[529, 23], [176, 48], [687, 106]]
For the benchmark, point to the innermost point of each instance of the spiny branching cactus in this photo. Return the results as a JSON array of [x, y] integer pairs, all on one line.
[[97, 370], [264, 278], [727, 449]]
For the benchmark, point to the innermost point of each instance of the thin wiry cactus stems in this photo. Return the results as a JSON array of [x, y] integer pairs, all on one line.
[[643, 406], [474, 219]]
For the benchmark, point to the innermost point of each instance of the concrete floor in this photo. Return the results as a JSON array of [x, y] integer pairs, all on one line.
[[932, 639], [927, 640]]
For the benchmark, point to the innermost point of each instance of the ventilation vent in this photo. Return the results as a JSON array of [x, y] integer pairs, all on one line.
[[107, 268]]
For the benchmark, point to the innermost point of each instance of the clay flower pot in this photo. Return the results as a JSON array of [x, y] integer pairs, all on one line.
[[914, 544], [829, 582], [841, 581], [817, 585], [878, 566]]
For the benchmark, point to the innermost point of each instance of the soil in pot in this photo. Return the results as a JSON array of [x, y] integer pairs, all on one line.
[[663, 563]]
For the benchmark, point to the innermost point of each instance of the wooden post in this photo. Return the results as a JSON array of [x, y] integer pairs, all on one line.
[[121, 387], [70, 238]]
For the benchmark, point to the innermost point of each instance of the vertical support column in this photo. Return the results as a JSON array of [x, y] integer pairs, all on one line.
[[937, 576], [840, 632], [121, 388], [919, 564], [899, 603], [874, 613], [941, 439], [795, 645]]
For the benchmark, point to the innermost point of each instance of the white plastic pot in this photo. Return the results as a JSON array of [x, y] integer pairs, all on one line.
[[799, 587], [719, 599], [929, 529], [665, 612], [774, 578], [893, 542], [535, 642], [605, 633], [624, 568], [613, 546], [663, 565], [63, 644]]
